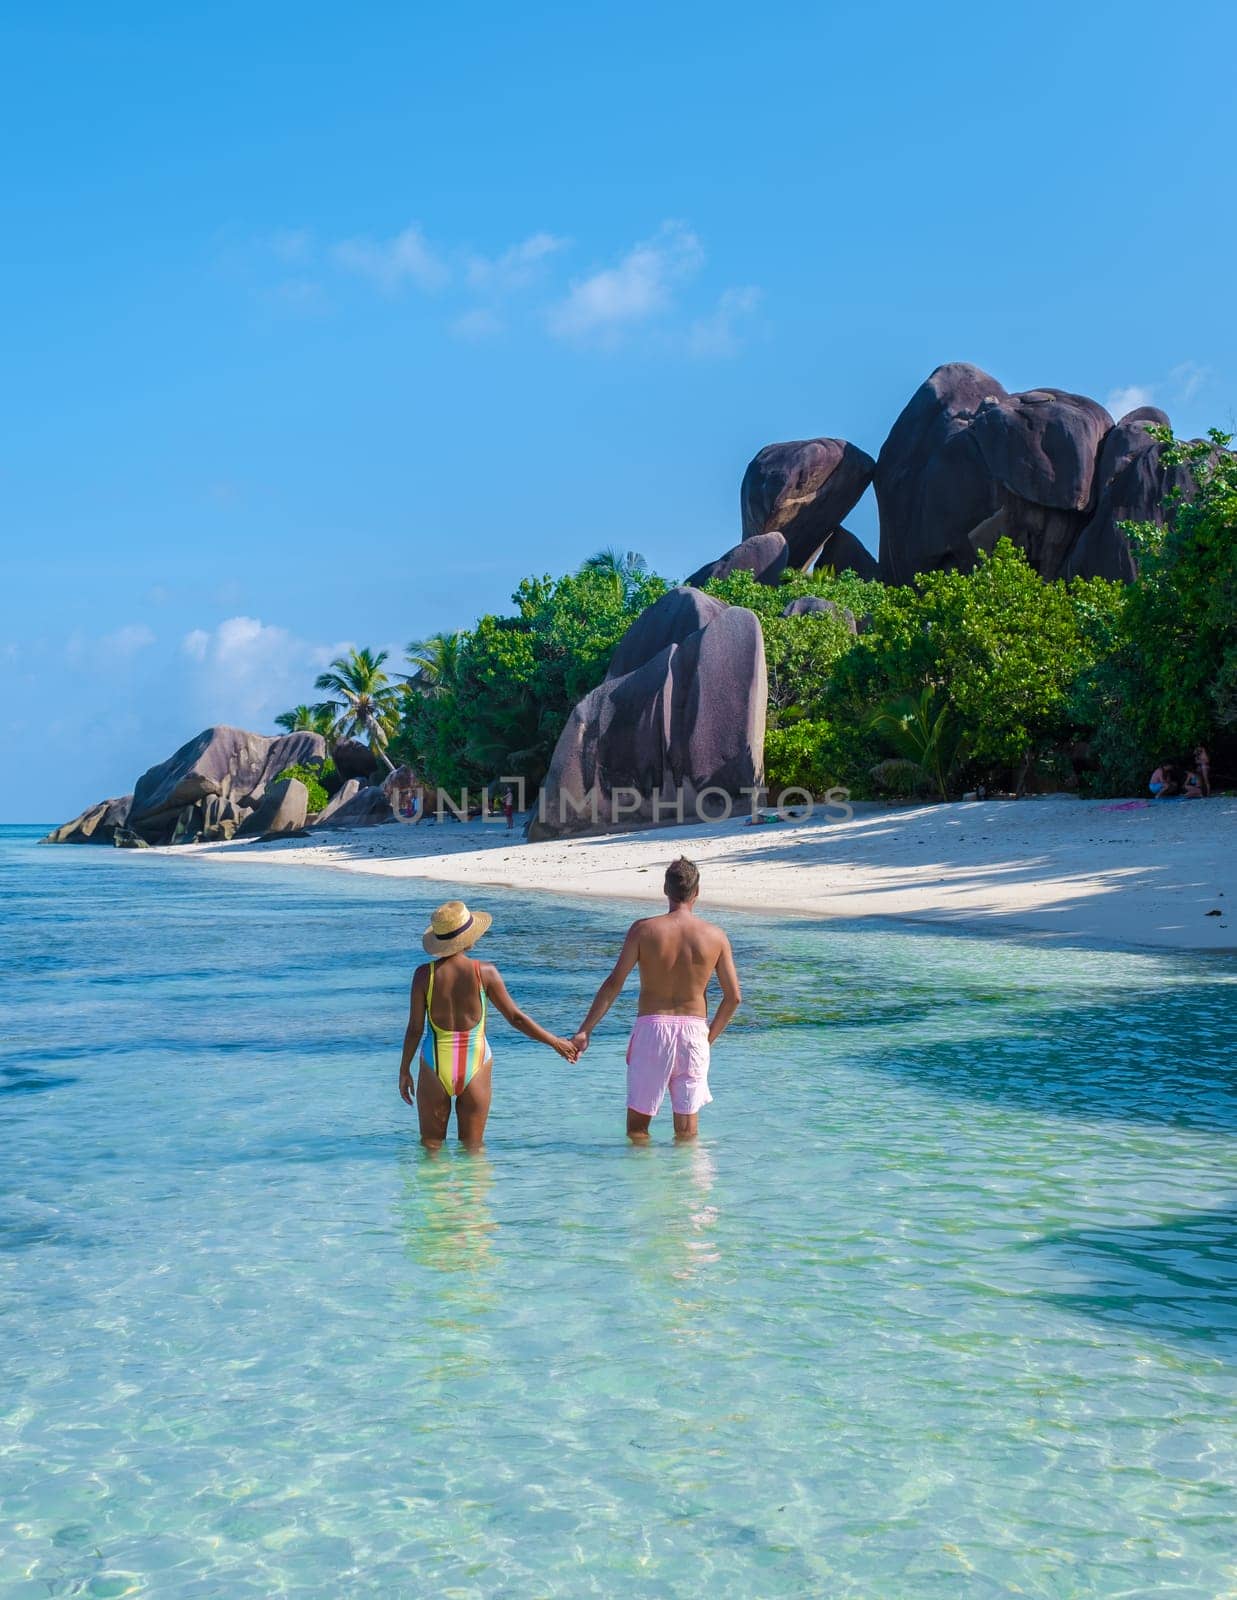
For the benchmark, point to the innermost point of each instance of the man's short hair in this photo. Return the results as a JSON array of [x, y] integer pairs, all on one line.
[[682, 880]]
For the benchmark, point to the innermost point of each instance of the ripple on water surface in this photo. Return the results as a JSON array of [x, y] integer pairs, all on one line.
[[942, 1304]]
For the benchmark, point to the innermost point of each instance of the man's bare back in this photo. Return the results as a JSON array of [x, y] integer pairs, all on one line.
[[678, 954]]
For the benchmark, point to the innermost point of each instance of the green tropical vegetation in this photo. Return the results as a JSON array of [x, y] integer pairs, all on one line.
[[364, 701], [991, 676], [491, 701], [309, 719], [312, 775]]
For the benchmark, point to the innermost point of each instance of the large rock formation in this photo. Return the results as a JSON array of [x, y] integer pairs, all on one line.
[[1134, 486], [337, 802], [98, 824], [283, 808], [843, 552], [967, 463], [354, 759], [227, 763], [802, 490], [764, 557], [366, 809], [202, 791], [687, 715], [670, 620]]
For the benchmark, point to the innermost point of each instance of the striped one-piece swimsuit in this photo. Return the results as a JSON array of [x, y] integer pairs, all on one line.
[[455, 1058]]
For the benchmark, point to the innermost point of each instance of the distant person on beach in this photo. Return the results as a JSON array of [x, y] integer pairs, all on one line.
[[1202, 765], [677, 953], [1163, 784], [509, 809], [1192, 788], [449, 1005]]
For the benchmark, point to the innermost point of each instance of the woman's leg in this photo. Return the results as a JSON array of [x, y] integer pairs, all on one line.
[[433, 1108], [473, 1107]]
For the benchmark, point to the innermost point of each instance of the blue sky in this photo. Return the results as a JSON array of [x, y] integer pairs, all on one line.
[[325, 324]]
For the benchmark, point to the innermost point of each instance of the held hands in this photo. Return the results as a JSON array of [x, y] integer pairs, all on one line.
[[567, 1049], [580, 1040]]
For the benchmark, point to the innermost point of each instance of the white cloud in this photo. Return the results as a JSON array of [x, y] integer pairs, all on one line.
[[127, 641], [1182, 385], [478, 324], [245, 671], [718, 333], [515, 268], [1129, 398], [292, 245], [111, 649], [1187, 378], [639, 287], [392, 263], [298, 297]]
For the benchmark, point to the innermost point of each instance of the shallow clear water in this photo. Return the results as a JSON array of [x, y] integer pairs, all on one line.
[[942, 1304]]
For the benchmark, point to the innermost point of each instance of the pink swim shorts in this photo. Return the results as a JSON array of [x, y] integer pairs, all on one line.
[[668, 1053]]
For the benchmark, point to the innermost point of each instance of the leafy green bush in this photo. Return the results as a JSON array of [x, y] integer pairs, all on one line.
[[924, 735], [311, 776], [1002, 648], [500, 697], [804, 755]]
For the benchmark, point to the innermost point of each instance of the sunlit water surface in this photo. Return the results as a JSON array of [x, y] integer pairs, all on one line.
[[940, 1305]]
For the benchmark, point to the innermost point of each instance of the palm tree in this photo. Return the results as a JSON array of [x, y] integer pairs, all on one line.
[[625, 568], [363, 699], [309, 719], [437, 661], [924, 733]]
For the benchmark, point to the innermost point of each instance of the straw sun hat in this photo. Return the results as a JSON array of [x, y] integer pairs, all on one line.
[[454, 927]]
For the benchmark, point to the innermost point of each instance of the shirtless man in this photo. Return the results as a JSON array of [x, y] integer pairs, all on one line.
[[677, 955]]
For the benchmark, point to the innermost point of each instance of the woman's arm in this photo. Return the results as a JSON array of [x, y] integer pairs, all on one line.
[[520, 1020], [412, 1033]]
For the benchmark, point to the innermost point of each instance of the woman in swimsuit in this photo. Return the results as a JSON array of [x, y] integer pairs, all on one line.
[[449, 1005]]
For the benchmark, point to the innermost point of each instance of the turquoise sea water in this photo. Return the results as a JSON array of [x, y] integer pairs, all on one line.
[[941, 1305]]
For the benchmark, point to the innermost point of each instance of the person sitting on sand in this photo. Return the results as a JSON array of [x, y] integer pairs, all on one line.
[[1163, 782], [677, 954], [1202, 765], [449, 1004], [1192, 788]]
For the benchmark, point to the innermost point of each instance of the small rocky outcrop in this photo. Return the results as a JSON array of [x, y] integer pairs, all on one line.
[[201, 792], [764, 557], [337, 802], [803, 489], [96, 825], [688, 717], [282, 809], [366, 809], [228, 764]]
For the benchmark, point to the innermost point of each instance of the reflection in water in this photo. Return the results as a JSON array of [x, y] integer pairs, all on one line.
[[672, 1224], [447, 1219], [448, 1228]]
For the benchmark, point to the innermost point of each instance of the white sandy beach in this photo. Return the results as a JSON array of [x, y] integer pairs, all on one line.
[[1056, 866]]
